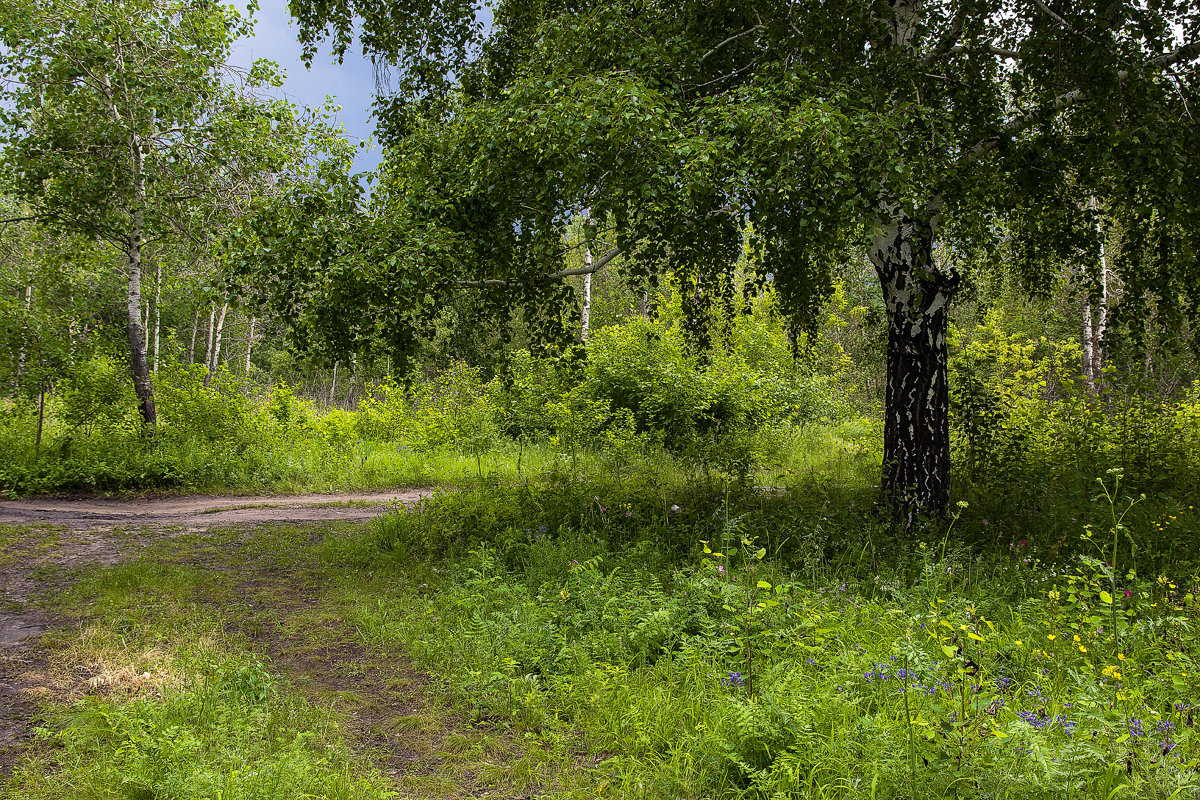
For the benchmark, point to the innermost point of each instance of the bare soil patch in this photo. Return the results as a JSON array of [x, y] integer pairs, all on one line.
[[201, 512], [69, 533]]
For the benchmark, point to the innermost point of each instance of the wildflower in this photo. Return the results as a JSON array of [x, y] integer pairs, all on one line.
[[1135, 728], [721, 568], [734, 679], [1037, 721]]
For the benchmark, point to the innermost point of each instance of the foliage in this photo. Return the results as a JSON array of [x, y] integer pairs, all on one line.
[[1024, 415], [725, 668]]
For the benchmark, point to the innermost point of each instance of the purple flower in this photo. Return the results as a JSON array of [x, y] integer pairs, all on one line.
[[1135, 728], [1036, 720], [734, 679]]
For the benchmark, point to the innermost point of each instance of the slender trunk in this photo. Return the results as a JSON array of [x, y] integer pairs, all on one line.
[[24, 338], [585, 315], [212, 324], [192, 346], [1089, 359], [332, 386], [215, 357], [249, 344], [157, 310], [646, 304], [1101, 319], [37, 448], [916, 436], [137, 335]]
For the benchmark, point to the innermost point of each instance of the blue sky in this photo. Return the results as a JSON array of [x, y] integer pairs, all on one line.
[[351, 82]]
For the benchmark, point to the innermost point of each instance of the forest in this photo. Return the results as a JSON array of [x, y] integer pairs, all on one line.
[[722, 399]]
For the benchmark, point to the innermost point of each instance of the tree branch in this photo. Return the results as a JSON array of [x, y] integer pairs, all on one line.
[[596, 266], [946, 44], [733, 38], [1013, 127]]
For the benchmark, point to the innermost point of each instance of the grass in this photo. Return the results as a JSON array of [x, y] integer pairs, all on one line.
[[734, 671], [641, 628]]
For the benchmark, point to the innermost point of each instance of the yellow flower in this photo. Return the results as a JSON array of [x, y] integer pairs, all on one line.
[[1020, 643], [1121, 656], [1076, 637], [1050, 636], [1082, 649]]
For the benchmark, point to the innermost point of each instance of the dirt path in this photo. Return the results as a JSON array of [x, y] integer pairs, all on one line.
[[201, 512], [101, 531]]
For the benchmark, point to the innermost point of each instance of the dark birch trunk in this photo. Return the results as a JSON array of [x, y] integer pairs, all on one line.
[[917, 293]]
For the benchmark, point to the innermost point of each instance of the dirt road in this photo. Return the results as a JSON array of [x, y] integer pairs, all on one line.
[[97, 531], [200, 512]]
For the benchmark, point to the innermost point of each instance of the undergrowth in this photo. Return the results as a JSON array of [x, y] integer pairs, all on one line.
[[709, 650]]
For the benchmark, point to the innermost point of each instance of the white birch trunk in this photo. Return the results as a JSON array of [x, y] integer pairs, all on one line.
[[249, 344], [192, 346], [133, 306], [212, 324], [1088, 345], [214, 358], [157, 312]]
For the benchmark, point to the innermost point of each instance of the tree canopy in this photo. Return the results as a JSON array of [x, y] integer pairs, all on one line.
[[125, 124], [927, 134]]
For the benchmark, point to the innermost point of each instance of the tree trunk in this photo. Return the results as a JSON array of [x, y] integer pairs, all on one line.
[[916, 435], [585, 315], [332, 386], [586, 311], [212, 324], [157, 310], [192, 346], [133, 307], [215, 356], [25, 333], [249, 344], [1089, 357], [137, 337], [1101, 320]]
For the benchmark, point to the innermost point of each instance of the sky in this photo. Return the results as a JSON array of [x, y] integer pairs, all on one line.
[[351, 82]]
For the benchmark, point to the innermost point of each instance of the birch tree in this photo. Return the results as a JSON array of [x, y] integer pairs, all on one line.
[[921, 132], [123, 120]]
